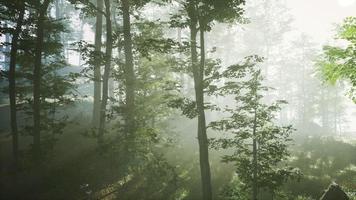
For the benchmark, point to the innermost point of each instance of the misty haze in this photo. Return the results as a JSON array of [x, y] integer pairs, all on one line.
[[177, 100]]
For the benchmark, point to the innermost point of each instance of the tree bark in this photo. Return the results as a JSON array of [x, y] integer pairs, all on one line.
[[202, 135], [57, 8], [97, 73], [254, 159], [37, 80], [129, 71], [12, 84], [199, 97], [119, 46], [7, 47], [106, 72]]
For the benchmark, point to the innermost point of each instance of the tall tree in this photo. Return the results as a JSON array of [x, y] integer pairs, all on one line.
[[128, 71], [97, 64], [198, 70], [42, 12], [259, 166], [109, 44], [19, 8], [201, 14]]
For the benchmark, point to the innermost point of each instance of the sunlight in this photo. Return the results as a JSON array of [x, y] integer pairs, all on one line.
[[345, 3], [177, 100]]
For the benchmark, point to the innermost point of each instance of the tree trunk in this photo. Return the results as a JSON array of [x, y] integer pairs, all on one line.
[[117, 28], [202, 135], [129, 72], [182, 78], [106, 72], [97, 73], [57, 8], [12, 84], [7, 48], [254, 159], [199, 95], [37, 81]]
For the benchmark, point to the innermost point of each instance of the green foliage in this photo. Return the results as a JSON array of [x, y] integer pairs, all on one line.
[[145, 161], [235, 190], [87, 7], [57, 89], [208, 12], [146, 41], [188, 107], [251, 119], [220, 11], [322, 160], [303, 198], [140, 154], [338, 63]]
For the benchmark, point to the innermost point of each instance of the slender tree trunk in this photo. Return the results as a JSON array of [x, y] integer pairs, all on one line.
[[202, 135], [303, 96], [199, 95], [57, 8], [106, 71], [117, 28], [81, 37], [129, 71], [7, 48], [182, 78], [335, 111], [12, 84], [37, 81], [254, 160], [97, 73]]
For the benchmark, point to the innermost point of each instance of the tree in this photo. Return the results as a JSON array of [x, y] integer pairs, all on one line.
[[129, 71], [338, 63], [258, 164], [139, 154], [40, 84], [19, 10], [97, 73], [203, 13], [41, 12], [109, 43]]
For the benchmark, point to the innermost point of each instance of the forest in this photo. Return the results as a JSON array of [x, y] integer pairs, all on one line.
[[177, 100]]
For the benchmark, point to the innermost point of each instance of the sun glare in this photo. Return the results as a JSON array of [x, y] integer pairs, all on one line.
[[346, 2]]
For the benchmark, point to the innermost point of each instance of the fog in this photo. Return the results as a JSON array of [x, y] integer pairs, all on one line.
[[203, 99]]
